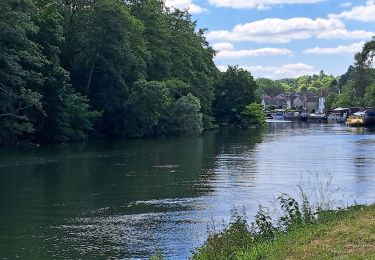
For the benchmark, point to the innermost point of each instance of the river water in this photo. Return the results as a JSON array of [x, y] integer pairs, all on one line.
[[130, 199]]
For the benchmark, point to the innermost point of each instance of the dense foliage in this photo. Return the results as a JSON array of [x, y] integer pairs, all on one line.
[[105, 67], [253, 114], [313, 84], [235, 89]]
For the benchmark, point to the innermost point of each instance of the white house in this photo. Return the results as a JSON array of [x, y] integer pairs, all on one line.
[[322, 105]]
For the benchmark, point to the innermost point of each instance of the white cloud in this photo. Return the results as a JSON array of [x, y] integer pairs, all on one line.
[[364, 13], [277, 72], [285, 71], [275, 30], [341, 49], [259, 4], [263, 7], [346, 5], [253, 53], [185, 4], [345, 34], [221, 46]]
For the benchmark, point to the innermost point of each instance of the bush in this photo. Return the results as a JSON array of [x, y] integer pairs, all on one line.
[[253, 114], [186, 117]]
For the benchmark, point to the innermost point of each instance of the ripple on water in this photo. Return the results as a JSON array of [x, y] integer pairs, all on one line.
[[130, 199]]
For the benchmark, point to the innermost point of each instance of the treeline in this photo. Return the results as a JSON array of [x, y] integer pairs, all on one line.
[[355, 88], [308, 83], [109, 68]]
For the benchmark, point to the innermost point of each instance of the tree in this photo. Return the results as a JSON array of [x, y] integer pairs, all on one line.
[[157, 33], [270, 87], [234, 90], [105, 53], [148, 100], [370, 95], [347, 98], [20, 65], [253, 114], [331, 100], [362, 76], [368, 51], [186, 117], [178, 88], [138, 62], [78, 117], [192, 60]]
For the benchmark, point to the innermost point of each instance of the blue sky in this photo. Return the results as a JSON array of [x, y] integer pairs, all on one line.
[[284, 38]]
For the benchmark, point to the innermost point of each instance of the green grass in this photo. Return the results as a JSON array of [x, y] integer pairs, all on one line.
[[344, 234]]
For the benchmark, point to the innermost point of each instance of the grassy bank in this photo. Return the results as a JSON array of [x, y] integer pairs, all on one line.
[[342, 234]]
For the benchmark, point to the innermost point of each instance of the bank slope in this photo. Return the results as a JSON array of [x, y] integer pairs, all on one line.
[[347, 234]]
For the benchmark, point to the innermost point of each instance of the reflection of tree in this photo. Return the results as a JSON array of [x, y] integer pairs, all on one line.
[[83, 187], [228, 143]]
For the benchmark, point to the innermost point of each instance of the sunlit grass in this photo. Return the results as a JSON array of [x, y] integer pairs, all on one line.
[[343, 234], [347, 234]]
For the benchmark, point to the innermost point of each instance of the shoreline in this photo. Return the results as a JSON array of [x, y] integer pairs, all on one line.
[[344, 233]]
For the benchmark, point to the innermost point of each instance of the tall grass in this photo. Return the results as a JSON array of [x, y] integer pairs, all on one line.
[[314, 200], [315, 196]]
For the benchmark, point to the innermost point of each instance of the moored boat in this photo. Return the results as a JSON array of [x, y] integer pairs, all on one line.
[[269, 116], [316, 118], [279, 115], [292, 116], [357, 119], [369, 117]]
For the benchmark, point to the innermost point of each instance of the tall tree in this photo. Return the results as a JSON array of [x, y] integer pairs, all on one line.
[[105, 56], [368, 51], [157, 33], [192, 60], [50, 39], [370, 95], [234, 90], [20, 64]]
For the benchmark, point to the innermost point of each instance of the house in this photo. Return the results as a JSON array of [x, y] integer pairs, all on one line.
[[267, 101], [312, 103], [298, 101], [279, 101]]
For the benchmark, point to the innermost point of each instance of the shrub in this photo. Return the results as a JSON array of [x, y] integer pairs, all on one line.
[[253, 114]]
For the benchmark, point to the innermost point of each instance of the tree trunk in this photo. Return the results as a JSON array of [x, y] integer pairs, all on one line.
[[90, 78]]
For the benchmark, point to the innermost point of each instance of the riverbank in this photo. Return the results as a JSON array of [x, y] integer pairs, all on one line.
[[344, 234]]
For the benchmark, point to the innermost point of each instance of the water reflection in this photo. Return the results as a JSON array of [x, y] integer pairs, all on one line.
[[127, 199]]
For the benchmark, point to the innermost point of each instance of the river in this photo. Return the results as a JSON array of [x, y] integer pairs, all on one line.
[[130, 199]]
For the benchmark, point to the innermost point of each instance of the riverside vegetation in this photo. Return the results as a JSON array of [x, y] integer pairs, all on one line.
[[344, 233], [108, 68], [70, 69], [302, 230]]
